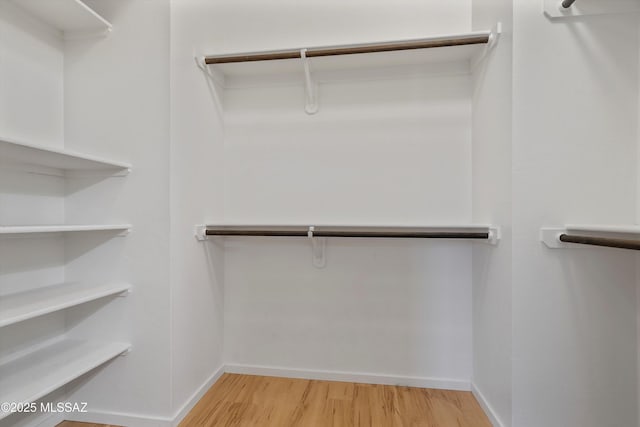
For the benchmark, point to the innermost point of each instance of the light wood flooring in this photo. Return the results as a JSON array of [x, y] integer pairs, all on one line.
[[244, 400], [256, 401]]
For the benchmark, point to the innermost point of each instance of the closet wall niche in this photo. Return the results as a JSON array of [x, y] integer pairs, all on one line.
[[43, 297]]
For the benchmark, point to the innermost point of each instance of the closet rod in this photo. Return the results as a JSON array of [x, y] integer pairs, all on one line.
[[567, 3], [601, 241], [478, 38], [328, 232]]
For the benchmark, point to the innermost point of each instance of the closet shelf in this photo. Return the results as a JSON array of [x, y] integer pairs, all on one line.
[[576, 236], [485, 233], [36, 374], [23, 153], [37, 229], [73, 18], [22, 306]]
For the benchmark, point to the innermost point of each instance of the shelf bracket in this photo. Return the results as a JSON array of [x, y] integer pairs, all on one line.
[[318, 249], [494, 235], [311, 87], [199, 232], [496, 31]]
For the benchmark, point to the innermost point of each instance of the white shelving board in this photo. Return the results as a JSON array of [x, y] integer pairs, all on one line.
[[73, 18], [38, 229], [550, 235], [22, 306], [37, 374], [14, 152]]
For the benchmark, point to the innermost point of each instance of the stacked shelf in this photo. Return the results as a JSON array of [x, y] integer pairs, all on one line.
[[31, 370], [39, 229], [16, 152], [72, 18], [33, 376], [23, 306]]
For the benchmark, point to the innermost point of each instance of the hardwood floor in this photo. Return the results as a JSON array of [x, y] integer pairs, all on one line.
[[255, 401], [244, 400]]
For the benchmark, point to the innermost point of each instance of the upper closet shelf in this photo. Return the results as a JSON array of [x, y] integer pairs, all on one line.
[[73, 18], [13, 152], [575, 236], [38, 229]]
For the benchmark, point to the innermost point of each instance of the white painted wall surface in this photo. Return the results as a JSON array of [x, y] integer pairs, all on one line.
[[31, 84], [574, 161], [395, 150], [31, 110], [117, 105], [196, 197], [492, 198]]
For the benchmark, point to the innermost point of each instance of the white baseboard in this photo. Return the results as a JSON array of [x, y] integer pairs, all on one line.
[[137, 420], [195, 397], [121, 419], [356, 377], [488, 409]]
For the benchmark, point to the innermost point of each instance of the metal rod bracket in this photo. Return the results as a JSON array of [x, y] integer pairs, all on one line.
[[311, 87], [318, 249], [199, 232]]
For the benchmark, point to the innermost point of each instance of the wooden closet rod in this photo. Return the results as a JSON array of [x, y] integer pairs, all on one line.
[[342, 232], [470, 39], [601, 241]]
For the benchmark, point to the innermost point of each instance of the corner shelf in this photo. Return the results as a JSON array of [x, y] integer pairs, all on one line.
[[33, 376], [22, 306], [40, 229], [73, 18], [29, 154], [586, 235]]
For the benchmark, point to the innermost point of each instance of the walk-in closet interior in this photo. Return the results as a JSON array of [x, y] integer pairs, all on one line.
[[431, 194]]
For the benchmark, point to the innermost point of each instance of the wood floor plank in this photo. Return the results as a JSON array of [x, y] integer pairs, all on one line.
[[256, 401]]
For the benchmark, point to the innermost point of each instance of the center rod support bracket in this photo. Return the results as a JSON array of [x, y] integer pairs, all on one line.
[[318, 249], [311, 87]]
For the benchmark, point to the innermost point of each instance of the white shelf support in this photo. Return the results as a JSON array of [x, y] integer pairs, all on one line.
[[311, 87], [494, 235], [199, 232], [551, 237], [318, 249]]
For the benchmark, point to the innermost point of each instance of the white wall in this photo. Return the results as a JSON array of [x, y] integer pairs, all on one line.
[[117, 105], [31, 87], [31, 108], [282, 166], [492, 188], [574, 161], [196, 198], [382, 152]]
